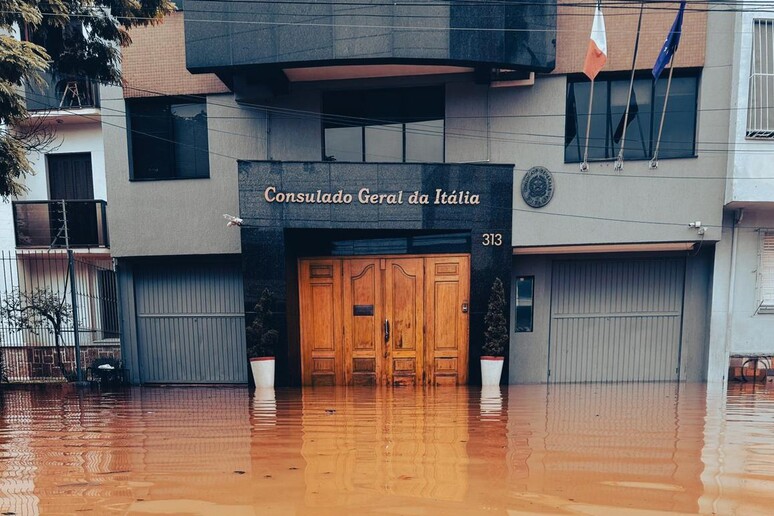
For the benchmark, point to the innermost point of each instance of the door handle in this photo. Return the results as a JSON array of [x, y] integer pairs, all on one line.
[[386, 330]]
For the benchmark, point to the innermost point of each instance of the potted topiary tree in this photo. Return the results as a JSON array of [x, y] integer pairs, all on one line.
[[495, 336], [262, 341]]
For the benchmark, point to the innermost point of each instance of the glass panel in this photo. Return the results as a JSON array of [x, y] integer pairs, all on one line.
[[384, 143], [576, 120], [424, 141], [344, 144], [189, 122], [638, 130], [524, 300], [151, 140], [677, 139]]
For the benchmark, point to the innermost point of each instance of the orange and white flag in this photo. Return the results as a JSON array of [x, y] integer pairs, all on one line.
[[596, 56]]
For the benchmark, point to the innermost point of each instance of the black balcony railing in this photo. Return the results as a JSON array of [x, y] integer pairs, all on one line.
[[42, 224], [62, 92]]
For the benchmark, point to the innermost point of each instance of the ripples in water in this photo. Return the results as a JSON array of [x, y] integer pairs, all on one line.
[[569, 449]]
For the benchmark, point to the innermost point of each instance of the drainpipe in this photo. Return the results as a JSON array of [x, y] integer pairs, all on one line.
[[736, 219]]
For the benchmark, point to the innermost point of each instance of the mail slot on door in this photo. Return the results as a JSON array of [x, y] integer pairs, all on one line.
[[362, 310]]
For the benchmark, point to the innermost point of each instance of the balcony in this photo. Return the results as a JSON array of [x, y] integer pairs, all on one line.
[[41, 224], [259, 39], [63, 97]]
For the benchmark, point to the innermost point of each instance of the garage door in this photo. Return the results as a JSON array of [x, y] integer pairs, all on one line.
[[616, 320], [190, 323]]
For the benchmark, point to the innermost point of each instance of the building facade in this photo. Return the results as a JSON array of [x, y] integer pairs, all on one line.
[[64, 207], [743, 294], [389, 163]]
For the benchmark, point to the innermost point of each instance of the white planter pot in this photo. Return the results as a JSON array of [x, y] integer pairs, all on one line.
[[491, 370], [263, 371]]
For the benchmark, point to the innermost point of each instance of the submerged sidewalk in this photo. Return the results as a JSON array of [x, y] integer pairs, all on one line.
[[572, 449]]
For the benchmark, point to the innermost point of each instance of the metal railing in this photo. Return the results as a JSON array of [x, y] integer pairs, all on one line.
[[62, 92], [760, 109], [51, 305], [55, 224]]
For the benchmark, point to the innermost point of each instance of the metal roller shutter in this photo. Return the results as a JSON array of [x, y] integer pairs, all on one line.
[[616, 320], [190, 323]]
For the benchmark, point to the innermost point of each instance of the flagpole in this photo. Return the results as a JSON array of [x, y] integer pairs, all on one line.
[[619, 160], [654, 161], [585, 165]]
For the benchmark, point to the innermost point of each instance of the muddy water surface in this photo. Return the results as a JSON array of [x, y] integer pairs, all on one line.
[[576, 449]]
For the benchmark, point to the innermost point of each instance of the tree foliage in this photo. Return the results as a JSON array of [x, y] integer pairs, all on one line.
[[74, 38], [496, 331]]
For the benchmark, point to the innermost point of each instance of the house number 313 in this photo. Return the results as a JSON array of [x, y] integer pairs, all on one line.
[[493, 239]]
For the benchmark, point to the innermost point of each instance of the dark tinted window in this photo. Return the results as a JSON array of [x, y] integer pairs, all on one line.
[[395, 125], [609, 104], [168, 139]]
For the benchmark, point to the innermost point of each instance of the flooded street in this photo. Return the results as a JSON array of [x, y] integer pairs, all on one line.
[[572, 449]]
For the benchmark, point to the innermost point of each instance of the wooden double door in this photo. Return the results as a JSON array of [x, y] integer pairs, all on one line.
[[399, 320]]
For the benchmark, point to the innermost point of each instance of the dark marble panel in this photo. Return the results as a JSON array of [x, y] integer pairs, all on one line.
[[298, 32], [268, 262]]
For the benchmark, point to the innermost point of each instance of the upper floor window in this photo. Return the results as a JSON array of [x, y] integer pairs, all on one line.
[[678, 139], [397, 125], [168, 138], [760, 100]]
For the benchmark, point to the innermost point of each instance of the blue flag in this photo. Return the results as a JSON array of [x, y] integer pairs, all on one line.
[[670, 44]]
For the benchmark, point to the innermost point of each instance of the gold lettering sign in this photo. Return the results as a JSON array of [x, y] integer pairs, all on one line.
[[368, 197]]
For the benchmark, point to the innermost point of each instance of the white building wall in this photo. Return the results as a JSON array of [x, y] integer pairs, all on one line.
[[737, 326]]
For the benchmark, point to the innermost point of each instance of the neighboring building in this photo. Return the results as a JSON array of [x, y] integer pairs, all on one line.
[[312, 104], [743, 294], [68, 184]]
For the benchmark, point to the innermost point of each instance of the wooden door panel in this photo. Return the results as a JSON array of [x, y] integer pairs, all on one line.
[[362, 311], [447, 295], [344, 303], [404, 311], [320, 320]]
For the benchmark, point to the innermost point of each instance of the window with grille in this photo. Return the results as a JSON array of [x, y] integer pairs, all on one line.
[[767, 272], [760, 106]]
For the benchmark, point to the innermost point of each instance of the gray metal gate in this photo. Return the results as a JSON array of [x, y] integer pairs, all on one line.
[[190, 323], [616, 320]]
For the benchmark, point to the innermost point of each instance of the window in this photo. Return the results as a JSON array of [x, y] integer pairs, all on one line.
[[767, 273], [760, 105], [399, 125], [168, 139], [679, 135], [108, 303], [525, 292]]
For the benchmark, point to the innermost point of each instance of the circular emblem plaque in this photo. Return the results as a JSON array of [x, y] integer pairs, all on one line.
[[537, 187]]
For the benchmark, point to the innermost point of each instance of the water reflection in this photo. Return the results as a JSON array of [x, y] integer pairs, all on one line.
[[577, 449]]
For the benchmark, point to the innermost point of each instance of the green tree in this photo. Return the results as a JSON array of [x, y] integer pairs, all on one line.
[[77, 38], [496, 331]]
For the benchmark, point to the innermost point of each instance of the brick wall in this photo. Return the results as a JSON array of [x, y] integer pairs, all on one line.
[[39, 362], [574, 29], [154, 64]]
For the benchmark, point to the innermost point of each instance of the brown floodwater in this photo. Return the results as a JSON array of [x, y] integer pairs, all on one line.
[[572, 449]]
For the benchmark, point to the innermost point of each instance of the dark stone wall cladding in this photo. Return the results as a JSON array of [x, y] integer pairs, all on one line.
[[269, 261], [313, 34]]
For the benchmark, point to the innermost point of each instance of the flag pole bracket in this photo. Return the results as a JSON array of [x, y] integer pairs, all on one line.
[[584, 167]]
